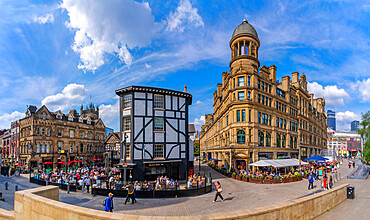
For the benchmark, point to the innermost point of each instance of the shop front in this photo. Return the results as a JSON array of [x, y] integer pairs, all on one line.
[[282, 155], [153, 170]]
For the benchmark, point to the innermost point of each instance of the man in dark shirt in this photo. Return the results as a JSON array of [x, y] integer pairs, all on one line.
[[130, 194]]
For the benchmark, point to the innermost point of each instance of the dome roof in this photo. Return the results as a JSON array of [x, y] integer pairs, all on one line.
[[245, 28]]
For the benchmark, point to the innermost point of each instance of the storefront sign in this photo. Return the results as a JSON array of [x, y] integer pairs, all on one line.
[[155, 164], [44, 155]]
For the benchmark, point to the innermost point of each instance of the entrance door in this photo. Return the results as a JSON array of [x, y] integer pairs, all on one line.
[[175, 171]]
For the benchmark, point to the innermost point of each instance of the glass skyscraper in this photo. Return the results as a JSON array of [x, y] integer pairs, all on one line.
[[331, 120]]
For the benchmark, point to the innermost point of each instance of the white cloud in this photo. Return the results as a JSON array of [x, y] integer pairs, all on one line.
[[185, 13], [147, 65], [363, 88], [48, 18], [198, 122], [109, 27], [198, 102], [110, 115], [332, 94], [7, 118], [72, 94], [344, 119]]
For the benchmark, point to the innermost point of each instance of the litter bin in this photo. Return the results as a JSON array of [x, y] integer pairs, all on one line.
[[350, 192]]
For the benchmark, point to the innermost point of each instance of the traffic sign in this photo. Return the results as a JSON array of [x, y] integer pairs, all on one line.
[[62, 158]]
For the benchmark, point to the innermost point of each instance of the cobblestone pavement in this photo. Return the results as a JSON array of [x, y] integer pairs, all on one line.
[[358, 208], [238, 196]]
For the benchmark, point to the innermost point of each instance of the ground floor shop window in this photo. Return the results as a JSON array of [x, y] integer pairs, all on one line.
[[265, 156]]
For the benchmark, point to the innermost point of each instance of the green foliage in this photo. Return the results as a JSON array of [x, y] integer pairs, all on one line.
[[364, 131]]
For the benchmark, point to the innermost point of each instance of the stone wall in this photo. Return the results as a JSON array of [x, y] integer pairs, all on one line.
[[42, 203]]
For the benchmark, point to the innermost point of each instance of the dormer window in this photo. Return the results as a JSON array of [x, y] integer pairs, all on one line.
[[59, 117], [70, 118], [43, 116]]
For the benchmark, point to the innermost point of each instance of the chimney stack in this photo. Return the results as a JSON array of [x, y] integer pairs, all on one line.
[[185, 89]]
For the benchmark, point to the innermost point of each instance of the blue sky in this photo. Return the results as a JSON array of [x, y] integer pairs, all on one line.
[[58, 53]]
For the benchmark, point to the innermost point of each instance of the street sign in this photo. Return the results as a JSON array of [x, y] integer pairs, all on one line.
[[62, 158]]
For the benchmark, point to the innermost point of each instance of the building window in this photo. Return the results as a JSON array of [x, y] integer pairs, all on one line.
[[291, 142], [269, 88], [234, 82], [250, 116], [227, 120], [88, 121], [82, 135], [127, 124], [158, 124], [240, 95], [259, 117], [238, 116], [249, 95], [259, 84], [158, 101], [43, 116], [71, 134], [240, 81], [281, 123], [259, 98], [270, 120], [241, 137], [47, 148], [284, 124], [48, 132], [268, 139], [70, 118], [81, 148], [249, 81], [38, 131], [60, 132], [283, 141], [158, 151], [278, 140], [127, 101], [38, 148], [42, 148], [260, 138], [89, 135], [43, 131], [71, 148], [243, 115], [128, 151], [60, 146]]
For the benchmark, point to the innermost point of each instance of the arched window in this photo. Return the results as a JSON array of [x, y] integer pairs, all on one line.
[[260, 138], [278, 140], [241, 137], [268, 139], [283, 140], [291, 142]]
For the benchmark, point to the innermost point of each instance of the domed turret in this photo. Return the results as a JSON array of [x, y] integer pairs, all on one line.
[[244, 46]]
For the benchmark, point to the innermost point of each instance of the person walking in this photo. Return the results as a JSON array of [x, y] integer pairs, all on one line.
[[354, 164], [87, 184], [349, 164], [325, 181], [218, 192], [331, 182], [130, 194], [310, 181], [109, 203]]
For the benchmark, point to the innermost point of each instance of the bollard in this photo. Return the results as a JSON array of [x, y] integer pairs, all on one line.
[[6, 185], [68, 188], [16, 187]]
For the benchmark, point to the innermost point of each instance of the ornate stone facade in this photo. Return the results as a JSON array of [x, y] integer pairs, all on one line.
[[43, 134], [257, 117]]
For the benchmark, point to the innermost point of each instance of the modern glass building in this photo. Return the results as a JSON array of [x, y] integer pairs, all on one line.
[[355, 125], [331, 120]]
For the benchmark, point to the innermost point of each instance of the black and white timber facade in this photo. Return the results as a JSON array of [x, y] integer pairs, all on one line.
[[154, 123]]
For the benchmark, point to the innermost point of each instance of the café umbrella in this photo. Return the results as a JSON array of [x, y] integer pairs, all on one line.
[[18, 164], [61, 162], [48, 162]]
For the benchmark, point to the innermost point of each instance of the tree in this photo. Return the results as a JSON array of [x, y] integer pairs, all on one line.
[[196, 149], [364, 131]]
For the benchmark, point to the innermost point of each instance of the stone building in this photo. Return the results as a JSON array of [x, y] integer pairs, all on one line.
[[14, 140], [257, 117], [43, 134], [5, 145]]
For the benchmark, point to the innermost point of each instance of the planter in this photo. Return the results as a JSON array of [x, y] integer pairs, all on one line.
[[294, 179], [300, 178], [306, 176], [285, 180], [259, 181], [267, 181], [276, 181], [252, 180], [239, 177], [233, 176], [245, 179]]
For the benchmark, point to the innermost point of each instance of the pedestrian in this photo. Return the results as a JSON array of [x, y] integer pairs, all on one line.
[[108, 203], [325, 182], [310, 181], [354, 164], [218, 192], [331, 182], [87, 184], [349, 164], [130, 194]]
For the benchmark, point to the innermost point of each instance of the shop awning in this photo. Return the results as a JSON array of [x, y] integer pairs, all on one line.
[[316, 158], [163, 161], [278, 163], [240, 156]]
